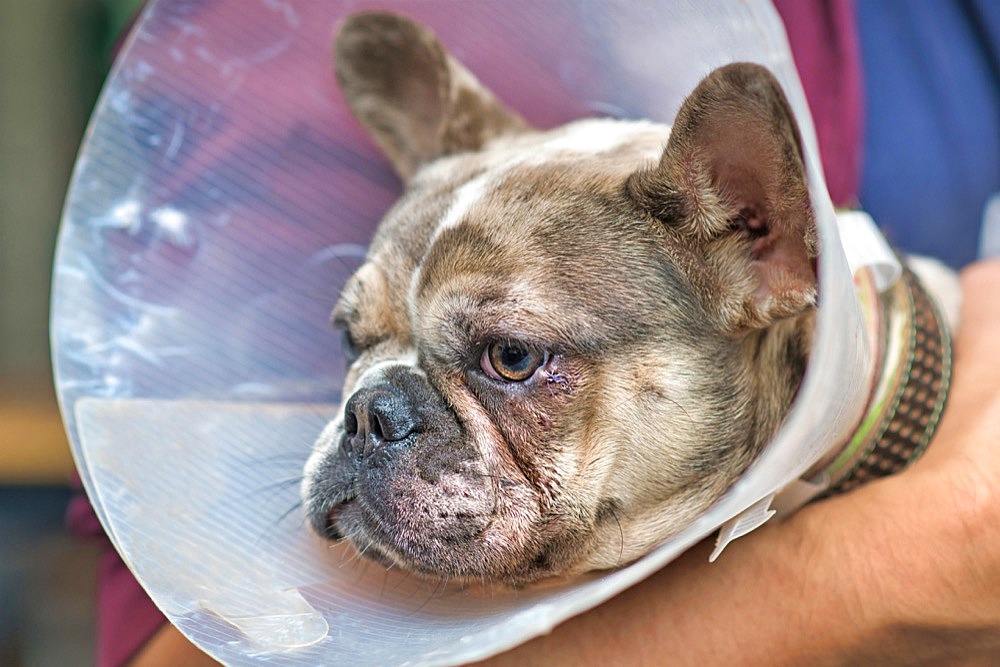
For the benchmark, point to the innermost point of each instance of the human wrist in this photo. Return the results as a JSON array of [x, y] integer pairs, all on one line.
[[918, 555]]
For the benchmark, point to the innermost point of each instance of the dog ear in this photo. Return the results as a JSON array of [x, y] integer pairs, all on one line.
[[730, 191], [416, 101]]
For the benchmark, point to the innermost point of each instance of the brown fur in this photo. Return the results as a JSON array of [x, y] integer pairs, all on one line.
[[673, 298]]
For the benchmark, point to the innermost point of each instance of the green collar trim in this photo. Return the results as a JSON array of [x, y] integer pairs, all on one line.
[[914, 356]]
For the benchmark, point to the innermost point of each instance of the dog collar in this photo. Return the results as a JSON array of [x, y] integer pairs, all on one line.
[[914, 358]]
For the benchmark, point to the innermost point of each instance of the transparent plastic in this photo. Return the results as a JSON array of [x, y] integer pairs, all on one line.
[[223, 196]]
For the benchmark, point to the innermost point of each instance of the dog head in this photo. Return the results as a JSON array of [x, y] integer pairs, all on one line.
[[565, 344]]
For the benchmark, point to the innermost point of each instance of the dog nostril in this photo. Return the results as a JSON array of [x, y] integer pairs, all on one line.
[[350, 422], [378, 415]]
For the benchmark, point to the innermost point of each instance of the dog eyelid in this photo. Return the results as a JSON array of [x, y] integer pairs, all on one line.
[[348, 342], [349, 346]]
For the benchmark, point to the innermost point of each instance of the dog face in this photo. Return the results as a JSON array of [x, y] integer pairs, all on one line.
[[566, 344]]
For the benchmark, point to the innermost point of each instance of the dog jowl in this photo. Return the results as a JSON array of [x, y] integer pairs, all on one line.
[[566, 344]]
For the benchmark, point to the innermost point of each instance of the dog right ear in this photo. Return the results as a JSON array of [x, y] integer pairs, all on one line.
[[417, 102], [731, 191]]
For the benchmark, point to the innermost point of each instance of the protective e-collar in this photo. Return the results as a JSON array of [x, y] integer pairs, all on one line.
[[222, 198]]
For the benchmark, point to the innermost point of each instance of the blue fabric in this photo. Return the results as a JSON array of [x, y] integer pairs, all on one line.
[[932, 135]]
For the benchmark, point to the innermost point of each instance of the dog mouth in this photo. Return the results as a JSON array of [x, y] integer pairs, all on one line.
[[445, 524], [329, 528], [463, 527], [360, 540], [419, 548]]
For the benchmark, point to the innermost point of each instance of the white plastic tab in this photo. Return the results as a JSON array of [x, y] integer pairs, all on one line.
[[746, 521], [865, 246]]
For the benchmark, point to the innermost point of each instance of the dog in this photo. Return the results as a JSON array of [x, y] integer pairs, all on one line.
[[563, 345]]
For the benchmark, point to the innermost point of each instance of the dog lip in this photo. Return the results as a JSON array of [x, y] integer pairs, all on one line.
[[330, 529]]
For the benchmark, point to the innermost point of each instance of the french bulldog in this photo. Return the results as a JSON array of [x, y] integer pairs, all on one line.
[[566, 344]]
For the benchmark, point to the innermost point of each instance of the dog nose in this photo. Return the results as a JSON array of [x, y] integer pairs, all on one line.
[[376, 416]]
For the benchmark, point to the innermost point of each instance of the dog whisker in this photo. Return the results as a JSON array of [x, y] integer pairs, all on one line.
[[280, 485], [294, 508], [435, 593], [291, 458]]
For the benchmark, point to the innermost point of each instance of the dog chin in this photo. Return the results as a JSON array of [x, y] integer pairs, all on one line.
[[460, 561]]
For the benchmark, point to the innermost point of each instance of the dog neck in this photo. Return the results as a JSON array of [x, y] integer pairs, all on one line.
[[912, 348], [779, 354]]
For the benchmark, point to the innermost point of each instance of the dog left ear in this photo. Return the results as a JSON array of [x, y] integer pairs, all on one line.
[[730, 191], [417, 102]]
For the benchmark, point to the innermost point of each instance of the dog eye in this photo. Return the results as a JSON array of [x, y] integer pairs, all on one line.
[[511, 361], [348, 346]]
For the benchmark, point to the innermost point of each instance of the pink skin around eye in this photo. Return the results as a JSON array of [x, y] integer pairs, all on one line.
[[484, 363]]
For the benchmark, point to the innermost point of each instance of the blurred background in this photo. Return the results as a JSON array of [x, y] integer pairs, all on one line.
[[54, 55]]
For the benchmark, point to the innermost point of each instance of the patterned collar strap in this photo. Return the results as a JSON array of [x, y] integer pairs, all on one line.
[[910, 392]]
